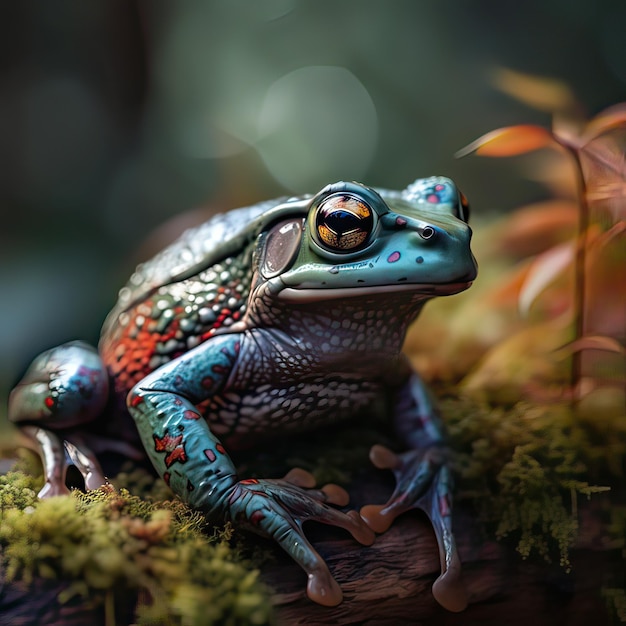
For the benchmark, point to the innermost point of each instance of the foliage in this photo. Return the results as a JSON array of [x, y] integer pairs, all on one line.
[[524, 468], [592, 257], [108, 542]]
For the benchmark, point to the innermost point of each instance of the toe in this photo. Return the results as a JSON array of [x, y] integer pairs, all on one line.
[[384, 458], [377, 516]]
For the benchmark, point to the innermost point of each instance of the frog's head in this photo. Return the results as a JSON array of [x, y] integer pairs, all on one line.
[[350, 240]]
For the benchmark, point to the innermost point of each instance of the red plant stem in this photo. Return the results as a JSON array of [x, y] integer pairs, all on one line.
[[579, 266]]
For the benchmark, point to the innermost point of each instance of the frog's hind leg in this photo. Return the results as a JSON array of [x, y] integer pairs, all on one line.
[[56, 454], [63, 388]]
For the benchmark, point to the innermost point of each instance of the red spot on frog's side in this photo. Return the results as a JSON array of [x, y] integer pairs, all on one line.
[[393, 257], [129, 346], [249, 481], [49, 402], [210, 455], [191, 415], [166, 478], [220, 448]]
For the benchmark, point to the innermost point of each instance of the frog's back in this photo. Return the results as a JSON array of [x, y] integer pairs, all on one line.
[[182, 296]]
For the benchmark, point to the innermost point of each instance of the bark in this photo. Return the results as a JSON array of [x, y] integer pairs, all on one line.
[[389, 583]]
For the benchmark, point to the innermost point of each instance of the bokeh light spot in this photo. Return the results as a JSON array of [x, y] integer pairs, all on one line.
[[317, 124]]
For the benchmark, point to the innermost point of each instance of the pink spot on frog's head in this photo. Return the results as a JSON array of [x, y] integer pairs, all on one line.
[[393, 257], [401, 222], [432, 198]]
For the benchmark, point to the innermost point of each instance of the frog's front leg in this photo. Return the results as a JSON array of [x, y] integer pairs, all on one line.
[[193, 462], [423, 481]]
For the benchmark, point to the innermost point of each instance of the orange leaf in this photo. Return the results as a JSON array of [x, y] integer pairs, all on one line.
[[591, 342], [537, 227], [610, 118], [544, 269], [607, 237], [509, 141], [539, 92]]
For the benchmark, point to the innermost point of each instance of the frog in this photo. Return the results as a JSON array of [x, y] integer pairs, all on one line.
[[280, 317]]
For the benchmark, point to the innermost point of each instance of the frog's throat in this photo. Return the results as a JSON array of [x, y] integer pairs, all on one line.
[[420, 291]]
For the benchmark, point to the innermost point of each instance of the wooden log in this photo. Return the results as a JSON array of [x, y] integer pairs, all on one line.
[[389, 583]]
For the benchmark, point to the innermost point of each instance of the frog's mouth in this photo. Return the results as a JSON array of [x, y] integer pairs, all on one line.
[[419, 291]]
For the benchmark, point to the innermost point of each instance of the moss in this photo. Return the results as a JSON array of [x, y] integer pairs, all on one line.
[[141, 482], [18, 491], [616, 599], [526, 467], [108, 543]]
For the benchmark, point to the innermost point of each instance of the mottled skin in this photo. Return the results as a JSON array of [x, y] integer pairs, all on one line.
[[282, 316]]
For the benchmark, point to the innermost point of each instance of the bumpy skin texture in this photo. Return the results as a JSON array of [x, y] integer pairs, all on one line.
[[282, 316]]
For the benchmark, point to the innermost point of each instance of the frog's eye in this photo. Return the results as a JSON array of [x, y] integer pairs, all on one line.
[[344, 223]]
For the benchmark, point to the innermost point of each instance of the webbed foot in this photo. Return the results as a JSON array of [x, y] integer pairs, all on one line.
[[423, 481], [279, 508]]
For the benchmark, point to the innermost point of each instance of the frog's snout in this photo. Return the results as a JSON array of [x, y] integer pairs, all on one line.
[[446, 250]]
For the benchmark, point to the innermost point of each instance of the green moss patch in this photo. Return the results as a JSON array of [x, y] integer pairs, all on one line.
[[109, 544], [525, 468]]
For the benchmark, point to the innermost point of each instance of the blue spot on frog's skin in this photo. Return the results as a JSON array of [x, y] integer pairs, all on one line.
[[419, 259]]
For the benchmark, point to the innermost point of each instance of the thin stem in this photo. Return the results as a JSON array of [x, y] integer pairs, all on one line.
[[580, 266], [109, 608]]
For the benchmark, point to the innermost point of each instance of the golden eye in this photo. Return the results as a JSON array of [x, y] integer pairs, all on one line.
[[344, 223]]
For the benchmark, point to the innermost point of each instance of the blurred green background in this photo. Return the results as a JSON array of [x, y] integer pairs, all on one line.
[[116, 116]]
